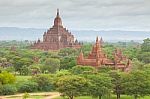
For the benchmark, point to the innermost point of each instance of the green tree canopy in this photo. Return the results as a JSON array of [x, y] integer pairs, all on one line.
[[67, 62], [100, 85], [44, 81], [146, 45], [117, 82], [72, 86], [52, 65], [137, 84], [83, 69]]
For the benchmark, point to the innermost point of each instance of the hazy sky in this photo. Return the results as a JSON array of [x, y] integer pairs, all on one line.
[[77, 14]]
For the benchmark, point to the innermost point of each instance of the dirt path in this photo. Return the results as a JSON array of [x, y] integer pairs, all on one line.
[[48, 95], [53, 96], [1, 97]]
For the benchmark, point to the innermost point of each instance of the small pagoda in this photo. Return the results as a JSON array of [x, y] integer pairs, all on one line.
[[98, 58]]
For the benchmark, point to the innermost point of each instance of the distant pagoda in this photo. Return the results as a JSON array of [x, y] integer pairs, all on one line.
[[56, 37], [98, 58]]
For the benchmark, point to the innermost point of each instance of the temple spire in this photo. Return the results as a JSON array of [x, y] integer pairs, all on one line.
[[38, 40], [57, 21], [97, 39], [81, 55], [57, 12]]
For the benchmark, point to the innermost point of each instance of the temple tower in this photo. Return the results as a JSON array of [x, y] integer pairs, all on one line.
[[98, 58], [57, 37]]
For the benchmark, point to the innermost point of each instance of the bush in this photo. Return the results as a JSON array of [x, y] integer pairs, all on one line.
[[26, 95], [28, 86], [8, 90], [7, 78]]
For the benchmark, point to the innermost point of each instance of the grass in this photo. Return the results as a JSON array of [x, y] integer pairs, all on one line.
[[112, 97], [22, 78]]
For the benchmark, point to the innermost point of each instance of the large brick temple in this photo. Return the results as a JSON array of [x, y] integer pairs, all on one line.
[[56, 37], [98, 58]]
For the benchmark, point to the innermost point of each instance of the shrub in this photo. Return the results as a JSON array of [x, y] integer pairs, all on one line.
[[28, 86], [26, 95], [7, 78], [8, 90]]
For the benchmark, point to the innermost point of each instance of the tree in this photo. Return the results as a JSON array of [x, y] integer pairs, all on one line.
[[147, 68], [146, 45], [25, 70], [4, 63], [145, 51], [131, 52], [63, 73], [86, 48], [52, 64], [35, 69], [45, 69], [72, 86], [137, 83], [28, 86], [144, 57], [104, 69], [20, 62], [100, 85], [108, 49], [67, 63], [117, 82], [68, 52], [44, 81], [137, 65], [10, 69], [83, 69]]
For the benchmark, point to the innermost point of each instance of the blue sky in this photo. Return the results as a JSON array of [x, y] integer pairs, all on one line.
[[77, 14]]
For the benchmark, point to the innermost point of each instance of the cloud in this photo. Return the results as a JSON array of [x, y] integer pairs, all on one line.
[[77, 14]]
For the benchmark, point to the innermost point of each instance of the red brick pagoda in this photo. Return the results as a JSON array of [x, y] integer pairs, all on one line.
[[57, 37], [98, 58]]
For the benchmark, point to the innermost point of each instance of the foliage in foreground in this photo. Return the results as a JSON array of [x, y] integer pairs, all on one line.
[[72, 86]]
